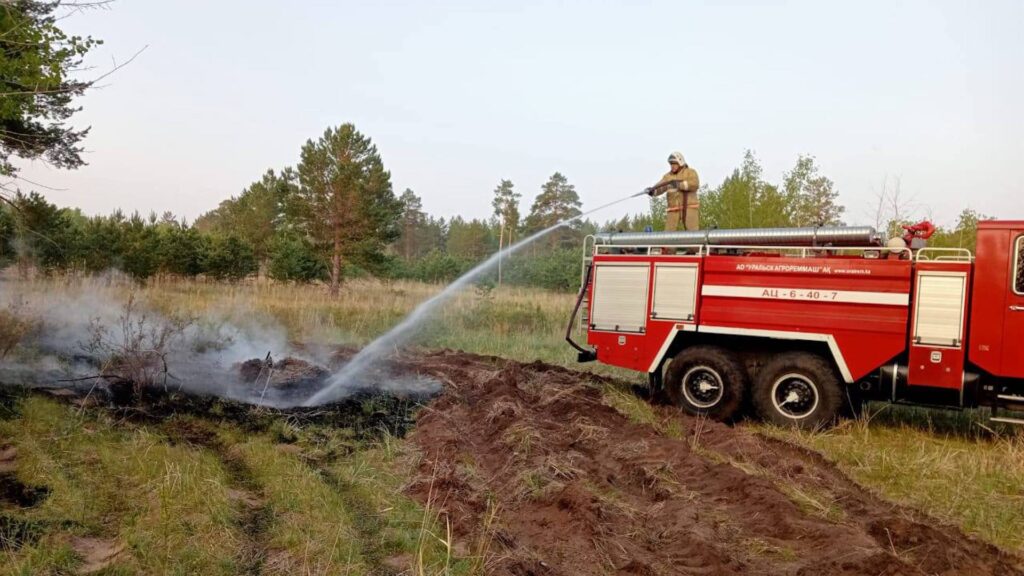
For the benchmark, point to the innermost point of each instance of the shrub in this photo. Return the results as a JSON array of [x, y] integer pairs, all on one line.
[[294, 258], [229, 258]]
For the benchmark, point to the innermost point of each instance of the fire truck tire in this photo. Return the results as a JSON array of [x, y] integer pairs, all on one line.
[[707, 381], [798, 389]]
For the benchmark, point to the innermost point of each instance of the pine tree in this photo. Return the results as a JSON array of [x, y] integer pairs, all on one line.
[[345, 198], [39, 231], [506, 210], [293, 258], [181, 249], [229, 258], [412, 221], [38, 67], [256, 214], [469, 241], [557, 202]]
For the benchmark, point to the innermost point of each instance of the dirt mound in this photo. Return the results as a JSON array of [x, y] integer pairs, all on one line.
[[530, 460], [285, 373]]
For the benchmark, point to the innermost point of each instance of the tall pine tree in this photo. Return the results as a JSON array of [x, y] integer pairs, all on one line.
[[506, 210], [557, 202], [412, 221], [345, 199]]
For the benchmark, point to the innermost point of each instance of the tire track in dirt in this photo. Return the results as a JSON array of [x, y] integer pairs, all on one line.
[[254, 514], [367, 522], [582, 490]]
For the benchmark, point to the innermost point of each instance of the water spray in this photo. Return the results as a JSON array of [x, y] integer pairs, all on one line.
[[349, 377]]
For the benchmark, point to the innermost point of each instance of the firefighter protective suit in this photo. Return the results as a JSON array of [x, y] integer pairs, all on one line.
[[683, 205]]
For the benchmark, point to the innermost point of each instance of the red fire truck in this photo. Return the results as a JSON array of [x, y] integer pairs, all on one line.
[[798, 323]]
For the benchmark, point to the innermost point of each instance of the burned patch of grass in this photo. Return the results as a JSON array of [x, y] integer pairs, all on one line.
[[367, 416], [14, 492]]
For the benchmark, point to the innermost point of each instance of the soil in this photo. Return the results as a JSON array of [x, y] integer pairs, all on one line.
[[96, 553], [527, 460], [285, 373], [8, 454]]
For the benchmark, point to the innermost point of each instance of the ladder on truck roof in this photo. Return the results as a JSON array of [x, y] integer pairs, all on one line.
[[585, 279]]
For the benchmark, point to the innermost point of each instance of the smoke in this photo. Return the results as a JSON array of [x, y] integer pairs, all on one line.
[[85, 328]]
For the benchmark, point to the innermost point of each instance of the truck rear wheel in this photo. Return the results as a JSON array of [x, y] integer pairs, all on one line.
[[798, 389], [707, 381]]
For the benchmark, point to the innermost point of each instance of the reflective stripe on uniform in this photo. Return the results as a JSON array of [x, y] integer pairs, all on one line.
[[681, 208]]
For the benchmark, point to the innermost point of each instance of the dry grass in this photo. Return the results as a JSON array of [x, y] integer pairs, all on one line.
[[14, 326], [507, 318]]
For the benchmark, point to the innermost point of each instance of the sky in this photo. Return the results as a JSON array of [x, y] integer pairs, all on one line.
[[926, 96]]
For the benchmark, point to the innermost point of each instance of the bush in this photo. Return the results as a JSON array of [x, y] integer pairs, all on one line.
[[293, 258], [557, 269], [437, 266], [182, 250], [229, 258]]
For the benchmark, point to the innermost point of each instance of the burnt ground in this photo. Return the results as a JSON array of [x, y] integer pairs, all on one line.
[[529, 463]]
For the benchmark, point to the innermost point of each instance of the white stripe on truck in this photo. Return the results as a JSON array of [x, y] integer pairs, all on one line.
[[807, 294], [829, 339]]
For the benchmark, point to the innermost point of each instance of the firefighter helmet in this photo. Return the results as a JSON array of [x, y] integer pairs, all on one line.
[[677, 158], [896, 243]]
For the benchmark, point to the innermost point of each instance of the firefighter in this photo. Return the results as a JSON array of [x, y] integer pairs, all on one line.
[[681, 184]]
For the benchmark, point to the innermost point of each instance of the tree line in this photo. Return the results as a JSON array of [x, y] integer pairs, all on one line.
[[335, 216]]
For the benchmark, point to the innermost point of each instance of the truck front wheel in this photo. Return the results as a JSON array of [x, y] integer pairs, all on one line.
[[798, 389], [707, 381]]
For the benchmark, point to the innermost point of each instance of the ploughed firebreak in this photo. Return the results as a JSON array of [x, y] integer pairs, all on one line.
[[803, 322]]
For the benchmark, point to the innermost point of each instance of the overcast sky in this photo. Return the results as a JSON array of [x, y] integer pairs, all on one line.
[[458, 95]]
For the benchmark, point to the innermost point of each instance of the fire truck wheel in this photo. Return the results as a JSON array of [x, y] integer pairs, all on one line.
[[707, 381], [798, 389]]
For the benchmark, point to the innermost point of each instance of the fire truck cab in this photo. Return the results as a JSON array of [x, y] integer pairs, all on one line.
[[800, 323]]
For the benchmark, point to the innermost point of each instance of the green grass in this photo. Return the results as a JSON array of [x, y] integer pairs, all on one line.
[[308, 530], [167, 504], [319, 503]]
